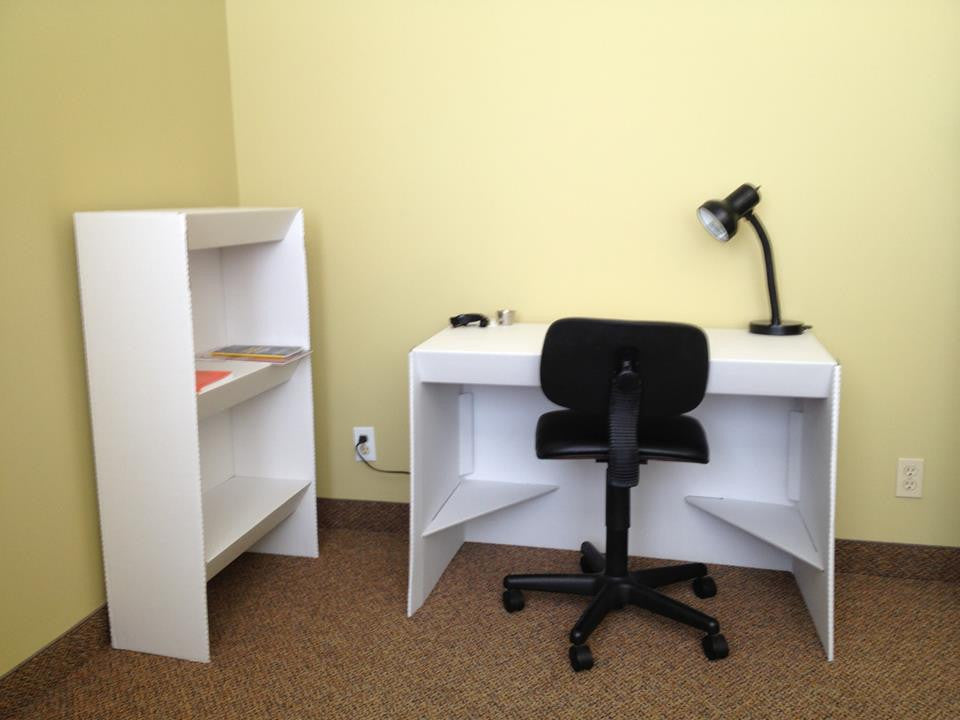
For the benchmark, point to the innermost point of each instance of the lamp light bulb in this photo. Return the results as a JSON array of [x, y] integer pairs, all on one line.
[[712, 224]]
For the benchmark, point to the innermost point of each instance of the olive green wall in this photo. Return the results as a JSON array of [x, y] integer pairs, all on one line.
[[105, 104], [548, 155]]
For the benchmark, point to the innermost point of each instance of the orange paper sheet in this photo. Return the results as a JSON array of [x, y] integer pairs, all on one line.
[[205, 377]]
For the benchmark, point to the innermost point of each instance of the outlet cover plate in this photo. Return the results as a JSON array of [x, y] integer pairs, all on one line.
[[910, 477], [371, 454]]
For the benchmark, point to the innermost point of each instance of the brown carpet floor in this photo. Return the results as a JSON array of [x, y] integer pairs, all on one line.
[[328, 638]]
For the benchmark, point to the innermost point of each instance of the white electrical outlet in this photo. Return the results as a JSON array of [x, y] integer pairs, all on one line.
[[910, 477], [368, 449]]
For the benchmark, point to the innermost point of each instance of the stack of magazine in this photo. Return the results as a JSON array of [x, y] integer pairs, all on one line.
[[279, 354]]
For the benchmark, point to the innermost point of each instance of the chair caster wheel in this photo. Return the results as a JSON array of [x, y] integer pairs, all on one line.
[[715, 647], [704, 587], [580, 657], [512, 600], [585, 567]]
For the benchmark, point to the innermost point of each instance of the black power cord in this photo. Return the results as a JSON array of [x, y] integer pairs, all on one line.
[[356, 448]]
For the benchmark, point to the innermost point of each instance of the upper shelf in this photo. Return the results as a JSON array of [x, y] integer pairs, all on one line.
[[246, 380], [220, 227], [204, 227]]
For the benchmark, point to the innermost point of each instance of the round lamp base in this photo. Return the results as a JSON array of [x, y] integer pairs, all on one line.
[[786, 327]]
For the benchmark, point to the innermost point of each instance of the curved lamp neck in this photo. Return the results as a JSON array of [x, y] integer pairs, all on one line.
[[768, 264]]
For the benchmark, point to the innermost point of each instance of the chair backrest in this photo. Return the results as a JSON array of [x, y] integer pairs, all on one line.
[[582, 355]]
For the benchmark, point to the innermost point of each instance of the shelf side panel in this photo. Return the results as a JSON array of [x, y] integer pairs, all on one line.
[[206, 291], [265, 291], [139, 351], [273, 436], [216, 451]]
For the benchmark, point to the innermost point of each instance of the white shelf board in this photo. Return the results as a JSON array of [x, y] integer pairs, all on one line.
[[223, 227], [240, 511], [474, 498], [247, 379], [779, 525]]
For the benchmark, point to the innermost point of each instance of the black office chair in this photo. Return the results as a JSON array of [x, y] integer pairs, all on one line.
[[627, 385]]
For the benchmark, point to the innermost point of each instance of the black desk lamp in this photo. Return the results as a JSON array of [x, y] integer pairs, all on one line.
[[720, 218]]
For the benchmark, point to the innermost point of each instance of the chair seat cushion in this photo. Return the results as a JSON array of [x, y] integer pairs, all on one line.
[[576, 435]]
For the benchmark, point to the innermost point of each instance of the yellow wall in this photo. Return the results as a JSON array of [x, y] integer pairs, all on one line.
[[105, 104], [548, 156], [451, 155]]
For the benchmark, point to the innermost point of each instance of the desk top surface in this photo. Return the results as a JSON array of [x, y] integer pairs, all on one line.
[[740, 363], [726, 345]]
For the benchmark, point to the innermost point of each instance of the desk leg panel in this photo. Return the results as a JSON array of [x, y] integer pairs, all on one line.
[[428, 561], [434, 475], [817, 506]]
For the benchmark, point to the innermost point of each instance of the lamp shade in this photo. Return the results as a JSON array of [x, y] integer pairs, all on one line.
[[720, 217], [718, 221]]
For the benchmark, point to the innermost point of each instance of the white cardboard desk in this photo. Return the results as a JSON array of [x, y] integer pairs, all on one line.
[[766, 499]]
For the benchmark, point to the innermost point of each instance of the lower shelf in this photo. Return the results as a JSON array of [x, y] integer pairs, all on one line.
[[240, 511], [473, 498], [779, 525]]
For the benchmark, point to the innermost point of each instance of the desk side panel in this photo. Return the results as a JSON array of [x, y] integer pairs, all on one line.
[[817, 505], [434, 475]]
